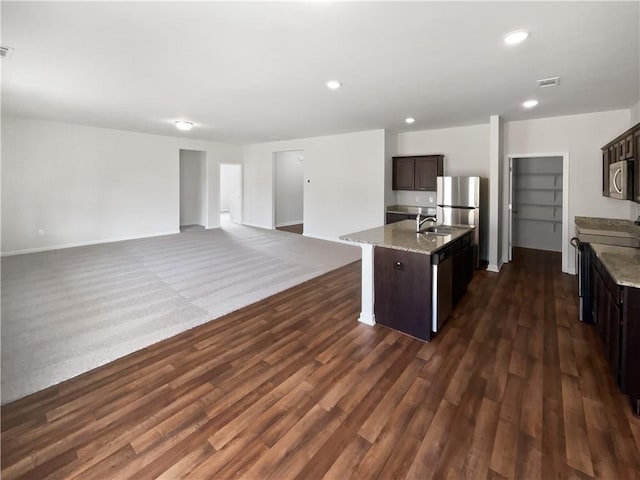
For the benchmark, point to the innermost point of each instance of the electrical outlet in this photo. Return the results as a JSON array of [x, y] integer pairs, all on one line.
[[430, 199], [417, 199], [41, 231]]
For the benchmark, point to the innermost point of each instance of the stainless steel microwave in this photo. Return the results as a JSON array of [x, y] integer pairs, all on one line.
[[621, 180]]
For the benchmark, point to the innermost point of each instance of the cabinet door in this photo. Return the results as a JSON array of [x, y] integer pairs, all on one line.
[[462, 272], [614, 336], [607, 318], [605, 172], [426, 171], [629, 146], [636, 167], [622, 150], [402, 282], [403, 173], [630, 346]]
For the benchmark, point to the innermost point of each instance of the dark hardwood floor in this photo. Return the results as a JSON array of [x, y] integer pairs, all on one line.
[[292, 228], [514, 386]]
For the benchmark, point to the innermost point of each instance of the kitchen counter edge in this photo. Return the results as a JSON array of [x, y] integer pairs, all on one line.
[[402, 236]]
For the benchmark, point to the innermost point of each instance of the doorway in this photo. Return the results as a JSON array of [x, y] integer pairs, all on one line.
[[537, 211], [230, 194], [288, 187], [193, 189]]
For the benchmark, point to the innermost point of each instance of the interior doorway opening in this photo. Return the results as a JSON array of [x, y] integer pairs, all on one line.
[[288, 188], [230, 194], [193, 189], [537, 210]]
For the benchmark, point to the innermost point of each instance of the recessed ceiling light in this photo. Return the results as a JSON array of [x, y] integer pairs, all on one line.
[[409, 120], [513, 38], [334, 84], [182, 125], [530, 103]]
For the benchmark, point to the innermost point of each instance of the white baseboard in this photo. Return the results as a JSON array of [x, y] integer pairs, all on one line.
[[288, 224], [494, 268], [84, 244]]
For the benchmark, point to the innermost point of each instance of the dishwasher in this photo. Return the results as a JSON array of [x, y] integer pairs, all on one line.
[[441, 286]]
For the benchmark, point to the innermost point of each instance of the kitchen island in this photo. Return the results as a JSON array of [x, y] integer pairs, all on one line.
[[411, 281]]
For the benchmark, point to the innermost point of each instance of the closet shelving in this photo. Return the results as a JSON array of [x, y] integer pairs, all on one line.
[[537, 203]]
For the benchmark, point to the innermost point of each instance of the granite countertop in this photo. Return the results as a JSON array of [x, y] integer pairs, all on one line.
[[402, 236], [610, 227], [622, 263], [410, 209], [616, 242]]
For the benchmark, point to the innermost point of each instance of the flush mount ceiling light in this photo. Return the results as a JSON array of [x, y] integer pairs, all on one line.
[[513, 38], [530, 103], [333, 84], [182, 125], [409, 120]]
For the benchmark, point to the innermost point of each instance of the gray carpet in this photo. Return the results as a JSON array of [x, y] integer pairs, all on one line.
[[67, 311]]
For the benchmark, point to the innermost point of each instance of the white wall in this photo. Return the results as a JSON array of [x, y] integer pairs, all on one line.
[[344, 182], [466, 149], [581, 136], [289, 185], [390, 150], [193, 188], [635, 114], [86, 185]]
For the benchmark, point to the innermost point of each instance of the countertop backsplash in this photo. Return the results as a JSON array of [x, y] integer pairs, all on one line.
[[425, 199]]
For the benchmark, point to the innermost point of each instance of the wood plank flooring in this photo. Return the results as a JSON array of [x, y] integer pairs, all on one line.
[[297, 228], [514, 386]]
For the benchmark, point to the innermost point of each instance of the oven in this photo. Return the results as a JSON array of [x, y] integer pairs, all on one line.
[[583, 273]]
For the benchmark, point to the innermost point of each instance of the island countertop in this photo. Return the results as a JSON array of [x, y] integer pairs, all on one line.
[[402, 236]]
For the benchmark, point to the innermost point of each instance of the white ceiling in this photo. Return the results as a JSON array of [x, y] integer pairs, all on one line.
[[253, 72]]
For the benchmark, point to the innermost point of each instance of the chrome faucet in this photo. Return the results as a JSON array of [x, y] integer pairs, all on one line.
[[427, 218]]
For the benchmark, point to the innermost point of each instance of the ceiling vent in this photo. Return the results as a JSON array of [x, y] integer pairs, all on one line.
[[548, 82], [5, 52]]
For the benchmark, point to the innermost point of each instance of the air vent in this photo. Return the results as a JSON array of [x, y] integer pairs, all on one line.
[[548, 82], [5, 52]]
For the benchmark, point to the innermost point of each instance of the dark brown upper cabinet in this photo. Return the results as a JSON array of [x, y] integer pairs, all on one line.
[[417, 172], [624, 147]]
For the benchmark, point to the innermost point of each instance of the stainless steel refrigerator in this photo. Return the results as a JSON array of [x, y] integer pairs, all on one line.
[[458, 203]]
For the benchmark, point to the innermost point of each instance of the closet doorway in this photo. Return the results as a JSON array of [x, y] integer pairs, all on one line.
[[230, 193], [193, 189], [288, 188], [538, 203]]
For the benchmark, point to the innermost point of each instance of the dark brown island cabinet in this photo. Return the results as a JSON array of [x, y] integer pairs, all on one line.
[[404, 286], [615, 313], [418, 172], [624, 147]]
